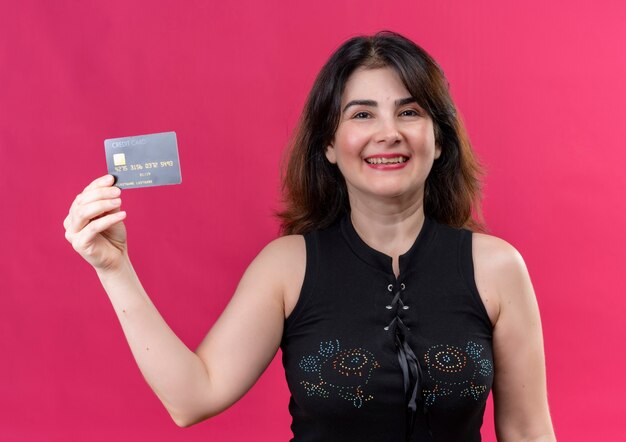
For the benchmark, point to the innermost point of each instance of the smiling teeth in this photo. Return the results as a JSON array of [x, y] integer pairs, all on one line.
[[386, 160]]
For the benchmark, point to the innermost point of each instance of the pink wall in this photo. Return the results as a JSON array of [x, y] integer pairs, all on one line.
[[541, 87]]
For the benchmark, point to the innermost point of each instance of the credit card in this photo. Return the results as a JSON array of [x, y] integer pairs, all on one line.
[[143, 160]]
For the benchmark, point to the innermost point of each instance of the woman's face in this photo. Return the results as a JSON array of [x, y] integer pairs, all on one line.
[[385, 143]]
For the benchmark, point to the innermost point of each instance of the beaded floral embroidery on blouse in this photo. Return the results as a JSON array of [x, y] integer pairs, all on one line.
[[344, 373], [454, 370]]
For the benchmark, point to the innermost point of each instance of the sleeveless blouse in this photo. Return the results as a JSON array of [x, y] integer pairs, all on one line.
[[372, 357]]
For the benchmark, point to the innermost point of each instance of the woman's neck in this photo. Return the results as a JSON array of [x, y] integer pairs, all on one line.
[[389, 227]]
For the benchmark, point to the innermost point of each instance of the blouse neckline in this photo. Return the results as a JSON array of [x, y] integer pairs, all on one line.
[[380, 260]]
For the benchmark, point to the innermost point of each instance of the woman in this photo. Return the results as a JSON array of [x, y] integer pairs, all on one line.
[[394, 319]]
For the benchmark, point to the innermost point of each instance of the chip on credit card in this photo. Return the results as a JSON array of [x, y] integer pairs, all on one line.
[[143, 160]]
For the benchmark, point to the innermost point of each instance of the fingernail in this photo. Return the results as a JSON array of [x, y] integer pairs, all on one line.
[[116, 201]]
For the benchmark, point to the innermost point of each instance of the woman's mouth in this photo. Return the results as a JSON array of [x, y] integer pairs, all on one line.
[[388, 160]]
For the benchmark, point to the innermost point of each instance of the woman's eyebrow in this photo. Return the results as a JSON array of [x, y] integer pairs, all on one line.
[[372, 103]]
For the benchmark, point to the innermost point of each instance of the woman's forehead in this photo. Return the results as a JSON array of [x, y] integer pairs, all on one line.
[[374, 83]]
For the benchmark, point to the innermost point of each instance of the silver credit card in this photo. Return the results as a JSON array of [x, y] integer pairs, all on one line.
[[143, 160]]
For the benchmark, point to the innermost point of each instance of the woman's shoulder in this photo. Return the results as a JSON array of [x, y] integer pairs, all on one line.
[[284, 252], [285, 257], [496, 254], [499, 271]]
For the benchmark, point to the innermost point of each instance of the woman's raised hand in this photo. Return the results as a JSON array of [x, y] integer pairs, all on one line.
[[94, 225]]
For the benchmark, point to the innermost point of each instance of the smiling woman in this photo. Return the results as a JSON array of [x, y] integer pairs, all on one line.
[[361, 66], [394, 318], [383, 145]]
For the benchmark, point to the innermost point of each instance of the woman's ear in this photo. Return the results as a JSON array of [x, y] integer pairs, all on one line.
[[437, 151], [330, 154]]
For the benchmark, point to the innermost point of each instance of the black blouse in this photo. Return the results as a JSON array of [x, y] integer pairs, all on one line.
[[372, 357]]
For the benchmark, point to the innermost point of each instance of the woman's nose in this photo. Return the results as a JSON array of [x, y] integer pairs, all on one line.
[[388, 132]]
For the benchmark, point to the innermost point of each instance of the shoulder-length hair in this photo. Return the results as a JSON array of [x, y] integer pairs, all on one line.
[[314, 191]]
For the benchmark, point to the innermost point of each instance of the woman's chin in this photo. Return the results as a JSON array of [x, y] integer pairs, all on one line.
[[390, 194]]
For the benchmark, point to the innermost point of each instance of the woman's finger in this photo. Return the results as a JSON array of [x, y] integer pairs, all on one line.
[[98, 193], [66, 222], [105, 180], [100, 188], [81, 215], [83, 239]]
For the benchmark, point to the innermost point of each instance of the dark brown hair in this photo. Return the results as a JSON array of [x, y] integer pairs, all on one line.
[[314, 191]]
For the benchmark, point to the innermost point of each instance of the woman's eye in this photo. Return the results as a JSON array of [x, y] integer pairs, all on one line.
[[361, 115], [409, 113]]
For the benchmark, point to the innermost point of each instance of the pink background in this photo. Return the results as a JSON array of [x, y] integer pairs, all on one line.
[[541, 87]]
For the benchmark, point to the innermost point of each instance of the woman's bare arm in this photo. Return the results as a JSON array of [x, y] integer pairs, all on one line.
[[519, 390], [191, 385]]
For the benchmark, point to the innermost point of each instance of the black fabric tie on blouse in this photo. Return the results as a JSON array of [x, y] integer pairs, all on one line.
[[409, 363]]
